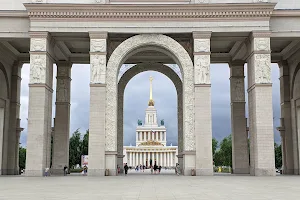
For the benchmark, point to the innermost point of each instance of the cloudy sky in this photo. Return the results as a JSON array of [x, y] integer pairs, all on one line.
[[136, 100]]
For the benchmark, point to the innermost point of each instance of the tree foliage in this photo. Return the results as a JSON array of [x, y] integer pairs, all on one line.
[[78, 147], [214, 146], [278, 155], [22, 157], [223, 156]]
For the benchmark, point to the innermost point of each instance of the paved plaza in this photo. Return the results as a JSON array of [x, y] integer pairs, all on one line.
[[147, 186]]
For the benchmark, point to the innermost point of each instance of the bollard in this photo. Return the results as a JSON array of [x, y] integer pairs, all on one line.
[[193, 172]]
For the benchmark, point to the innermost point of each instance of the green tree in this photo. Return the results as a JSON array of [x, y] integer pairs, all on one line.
[[85, 143], [223, 157], [278, 155], [22, 157], [75, 149], [214, 146]]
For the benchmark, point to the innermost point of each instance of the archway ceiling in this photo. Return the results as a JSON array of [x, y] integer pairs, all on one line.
[[75, 47]]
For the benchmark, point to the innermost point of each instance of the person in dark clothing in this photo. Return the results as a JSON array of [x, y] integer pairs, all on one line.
[[159, 169], [126, 169], [65, 170], [155, 168]]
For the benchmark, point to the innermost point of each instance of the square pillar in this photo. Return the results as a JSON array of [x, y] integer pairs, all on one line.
[[203, 124], [262, 161], [14, 132], [60, 156], [40, 105], [97, 155], [240, 152], [285, 102]]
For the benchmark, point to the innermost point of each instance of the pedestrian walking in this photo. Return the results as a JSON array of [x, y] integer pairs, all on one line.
[[126, 169], [65, 170]]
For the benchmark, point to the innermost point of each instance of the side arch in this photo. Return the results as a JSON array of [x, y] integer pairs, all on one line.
[[294, 80], [163, 44], [2, 68]]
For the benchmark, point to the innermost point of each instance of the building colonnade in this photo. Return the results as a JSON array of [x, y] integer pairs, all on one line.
[[163, 158]]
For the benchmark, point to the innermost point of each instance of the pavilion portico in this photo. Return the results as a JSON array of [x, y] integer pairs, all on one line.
[[57, 35]]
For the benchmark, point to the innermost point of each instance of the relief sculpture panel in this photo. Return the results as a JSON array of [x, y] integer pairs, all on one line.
[[202, 69], [38, 68], [262, 64], [98, 69]]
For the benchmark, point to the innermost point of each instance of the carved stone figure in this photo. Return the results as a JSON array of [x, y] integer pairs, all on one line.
[[201, 45], [262, 44], [262, 68], [162, 122], [37, 69], [98, 69], [62, 90], [98, 45], [202, 74], [140, 122], [38, 44], [239, 91]]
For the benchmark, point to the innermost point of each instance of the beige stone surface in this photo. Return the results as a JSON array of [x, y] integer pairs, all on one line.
[[149, 187]]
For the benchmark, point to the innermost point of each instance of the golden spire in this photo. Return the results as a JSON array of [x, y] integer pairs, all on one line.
[[151, 102]]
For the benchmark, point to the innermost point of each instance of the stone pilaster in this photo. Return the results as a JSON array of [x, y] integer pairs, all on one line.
[[240, 152], [203, 124], [262, 161], [13, 136], [285, 103], [60, 155], [97, 139], [40, 105]]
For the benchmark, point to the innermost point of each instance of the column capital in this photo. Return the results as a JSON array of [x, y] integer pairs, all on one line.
[[202, 35], [260, 34], [39, 34], [62, 63], [236, 63], [98, 35]]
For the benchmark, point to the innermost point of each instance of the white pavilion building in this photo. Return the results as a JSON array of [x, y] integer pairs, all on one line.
[[151, 142]]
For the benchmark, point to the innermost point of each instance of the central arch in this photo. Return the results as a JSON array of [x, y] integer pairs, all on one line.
[[125, 78], [130, 47]]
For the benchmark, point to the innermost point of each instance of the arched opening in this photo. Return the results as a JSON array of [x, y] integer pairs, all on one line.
[[4, 88], [144, 135], [132, 46]]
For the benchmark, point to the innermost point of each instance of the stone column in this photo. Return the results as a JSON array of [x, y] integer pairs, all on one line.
[[157, 158], [40, 105], [285, 103], [148, 158], [203, 125], [141, 158], [160, 159], [14, 129], [62, 118], [149, 136], [160, 138], [260, 106], [145, 135], [171, 159], [144, 158], [240, 152], [97, 139], [130, 159]]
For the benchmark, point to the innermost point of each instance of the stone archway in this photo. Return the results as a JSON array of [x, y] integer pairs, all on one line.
[[4, 95], [126, 77], [130, 47]]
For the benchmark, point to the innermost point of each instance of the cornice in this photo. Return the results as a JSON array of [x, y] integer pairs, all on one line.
[[286, 13], [14, 13], [153, 12]]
